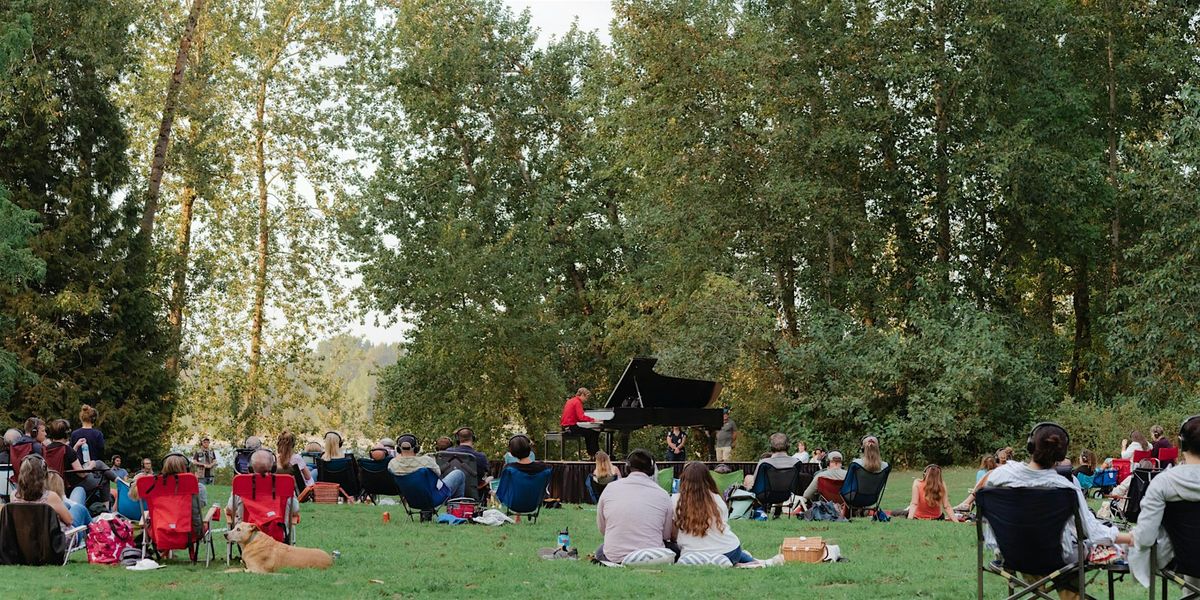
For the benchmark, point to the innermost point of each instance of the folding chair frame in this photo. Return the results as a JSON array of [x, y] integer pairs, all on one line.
[[852, 509], [1168, 574], [196, 539], [287, 519], [1017, 586]]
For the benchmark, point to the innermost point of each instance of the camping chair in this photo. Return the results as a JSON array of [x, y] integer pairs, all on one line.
[[1086, 481], [666, 479], [1133, 500], [1181, 520], [6, 484], [265, 500], [465, 462], [775, 487], [126, 506], [725, 480], [169, 516], [594, 487], [1140, 455], [376, 480], [863, 490], [522, 493], [342, 471], [1104, 480], [831, 490], [1123, 466], [16, 454], [1027, 524], [30, 534], [421, 493], [1167, 456], [241, 460]]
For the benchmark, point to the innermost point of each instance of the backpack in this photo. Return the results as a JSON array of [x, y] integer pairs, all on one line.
[[824, 510], [107, 538]]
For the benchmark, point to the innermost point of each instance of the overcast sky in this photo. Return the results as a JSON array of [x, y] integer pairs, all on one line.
[[551, 18]]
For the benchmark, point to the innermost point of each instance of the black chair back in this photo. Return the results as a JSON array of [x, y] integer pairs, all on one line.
[[863, 489], [1137, 490], [30, 535], [773, 485], [375, 478], [1181, 520], [241, 460], [448, 461], [342, 471], [1028, 524]]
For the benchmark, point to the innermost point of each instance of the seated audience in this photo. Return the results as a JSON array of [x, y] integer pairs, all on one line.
[[930, 498], [466, 444], [1159, 440], [79, 512], [521, 448], [871, 459], [147, 467], [606, 473], [333, 447], [261, 463], [87, 432], [801, 454], [5, 457], [177, 464], [253, 443], [285, 453], [1136, 443], [314, 447], [35, 433], [1119, 496], [778, 457], [378, 452], [31, 489], [117, 469], [1087, 464], [701, 519], [204, 460], [819, 456], [1178, 484], [634, 513], [986, 465], [442, 444], [81, 484], [834, 471], [389, 444], [1004, 455], [407, 461], [1049, 448]]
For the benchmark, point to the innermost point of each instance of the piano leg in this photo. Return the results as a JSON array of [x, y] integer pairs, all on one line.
[[712, 445]]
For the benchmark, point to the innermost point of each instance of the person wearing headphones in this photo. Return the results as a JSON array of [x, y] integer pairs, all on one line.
[[262, 462], [466, 445], [1180, 483], [871, 458], [634, 513], [522, 450], [1047, 446], [408, 459], [177, 464]]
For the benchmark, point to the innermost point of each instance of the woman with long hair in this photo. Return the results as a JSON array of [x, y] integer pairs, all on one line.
[[871, 458], [285, 451], [930, 499], [32, 489], [702, 521], [1087, 464], [986, 464], [333, 447], [604, 474], [1136, 443]]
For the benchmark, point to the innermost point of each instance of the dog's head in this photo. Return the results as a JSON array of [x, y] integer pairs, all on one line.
[[242, 532]]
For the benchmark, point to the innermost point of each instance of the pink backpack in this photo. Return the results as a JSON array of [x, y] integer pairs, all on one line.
[[107, 538]]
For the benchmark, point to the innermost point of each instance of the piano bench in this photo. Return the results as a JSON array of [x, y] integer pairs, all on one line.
[[560, 438]]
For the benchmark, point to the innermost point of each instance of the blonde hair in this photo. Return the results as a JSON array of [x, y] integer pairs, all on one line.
[[88, 415], [604, 466], [871, 459], [333, 446], [54, 483]]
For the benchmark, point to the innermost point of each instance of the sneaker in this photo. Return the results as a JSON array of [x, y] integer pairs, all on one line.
[[774, 561]]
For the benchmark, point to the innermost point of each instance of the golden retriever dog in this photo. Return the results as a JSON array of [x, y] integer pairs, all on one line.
[[262, 554]]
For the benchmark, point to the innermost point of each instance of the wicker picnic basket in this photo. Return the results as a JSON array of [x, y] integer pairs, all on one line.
[[803, 549]]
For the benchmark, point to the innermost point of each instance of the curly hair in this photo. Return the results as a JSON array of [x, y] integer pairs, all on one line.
[[697, 510]]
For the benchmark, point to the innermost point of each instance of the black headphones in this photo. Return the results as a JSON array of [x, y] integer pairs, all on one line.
[[339, 436], [416, 444], [1033, 432], [180, 454], [458, 434], [274, 459], [1184, 446], [863, 442]]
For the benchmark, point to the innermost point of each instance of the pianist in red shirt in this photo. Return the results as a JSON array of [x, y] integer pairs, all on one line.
[[573, 415]]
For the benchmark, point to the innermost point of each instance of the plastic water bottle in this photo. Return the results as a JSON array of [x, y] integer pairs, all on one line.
[[87, 454], [564, 538]]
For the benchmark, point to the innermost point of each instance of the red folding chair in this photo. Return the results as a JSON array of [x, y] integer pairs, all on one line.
[[1140, 455], [831, 490], [1167, 456], [55, 457], [1124, 467], [265, 500], [168, 501], [16, 454]]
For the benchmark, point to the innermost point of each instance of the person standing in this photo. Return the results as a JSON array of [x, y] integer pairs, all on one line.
[[573, 415], [726, 438], [676, 438], [87, 432], [204, 459]]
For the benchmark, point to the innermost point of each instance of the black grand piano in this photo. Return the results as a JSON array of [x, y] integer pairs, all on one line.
[[643, 398]]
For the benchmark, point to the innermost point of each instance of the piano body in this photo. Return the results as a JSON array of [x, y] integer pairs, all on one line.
[[643, 398]]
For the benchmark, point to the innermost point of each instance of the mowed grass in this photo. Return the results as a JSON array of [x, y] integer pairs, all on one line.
[[900, 559]]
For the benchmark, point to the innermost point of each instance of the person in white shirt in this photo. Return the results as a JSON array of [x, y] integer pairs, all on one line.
[[1048, 444], [1136, 443], [701, 520], [801, 452], [1180, 483]]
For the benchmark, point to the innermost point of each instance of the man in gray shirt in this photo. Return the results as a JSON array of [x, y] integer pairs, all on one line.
[[634, 513], [726, 438]]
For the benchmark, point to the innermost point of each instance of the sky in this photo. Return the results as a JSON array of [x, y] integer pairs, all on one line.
[[552, 18]]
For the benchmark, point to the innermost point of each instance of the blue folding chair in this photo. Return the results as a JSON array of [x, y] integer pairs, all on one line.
[[862, 490], [1104, 480], [420, 493], [522, 493], [126, 506]]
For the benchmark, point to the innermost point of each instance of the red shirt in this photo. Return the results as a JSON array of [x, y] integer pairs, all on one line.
[[573, 413]]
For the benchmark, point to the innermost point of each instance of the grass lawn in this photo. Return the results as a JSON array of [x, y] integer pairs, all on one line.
[[901, 559]]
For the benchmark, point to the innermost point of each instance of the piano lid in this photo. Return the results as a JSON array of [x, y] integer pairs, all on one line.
[[640, 386]]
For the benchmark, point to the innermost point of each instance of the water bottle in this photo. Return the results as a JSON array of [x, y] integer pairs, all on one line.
[[564, 538], [86, 453]]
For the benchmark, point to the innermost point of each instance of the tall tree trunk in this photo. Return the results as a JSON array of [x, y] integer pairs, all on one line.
[[580, 291], [785, 280], [1081, 302], [158, 163], [1112, 161], [179, 279], [264, 236]]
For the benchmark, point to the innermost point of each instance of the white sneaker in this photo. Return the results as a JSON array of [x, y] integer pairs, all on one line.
[[774, 561]]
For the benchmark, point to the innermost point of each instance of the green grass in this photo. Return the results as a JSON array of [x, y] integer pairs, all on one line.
[[901, 559]]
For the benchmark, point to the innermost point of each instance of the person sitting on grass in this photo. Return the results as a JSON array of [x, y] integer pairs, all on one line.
[[261, 463], [522, 449], [871, 459], [986, 465], [408, 461], [834, 471], [930, 499], [1004, 455], [1177, 484], [701, 520], [32, 489], [633, 513], [1050, 442]]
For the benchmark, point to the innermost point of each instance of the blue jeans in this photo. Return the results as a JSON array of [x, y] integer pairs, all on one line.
[[79, 515], [456, 480], [738, 556]]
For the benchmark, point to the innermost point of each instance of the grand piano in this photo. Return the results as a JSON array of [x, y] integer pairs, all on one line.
[[643, 398]]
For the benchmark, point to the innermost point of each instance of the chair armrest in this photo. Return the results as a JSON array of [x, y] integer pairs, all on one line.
[[212, 511], [75, 530]]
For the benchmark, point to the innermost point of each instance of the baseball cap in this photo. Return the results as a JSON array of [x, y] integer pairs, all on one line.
[[835, 455], [387, 442]]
